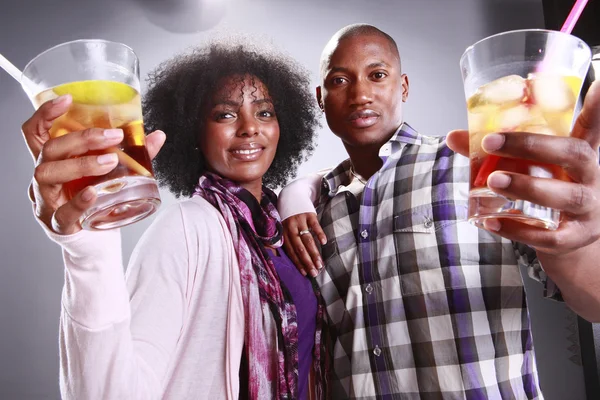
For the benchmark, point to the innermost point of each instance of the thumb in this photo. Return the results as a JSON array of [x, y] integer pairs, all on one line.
[[587, 125], [66, 218], [458, 141], [154, 142]]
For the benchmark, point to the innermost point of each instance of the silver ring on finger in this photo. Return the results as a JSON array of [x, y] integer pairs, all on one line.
[[303, 232]]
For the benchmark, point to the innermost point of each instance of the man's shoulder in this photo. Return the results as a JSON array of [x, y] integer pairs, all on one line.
[[434, 149]]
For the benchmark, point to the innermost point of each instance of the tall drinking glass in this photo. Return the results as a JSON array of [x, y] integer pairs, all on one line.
[[519, 81], [103, 79]]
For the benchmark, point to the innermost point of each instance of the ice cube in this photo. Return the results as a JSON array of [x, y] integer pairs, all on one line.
[[503, 91], [509, 119], [560, 122], [552, 93], [539, 129]]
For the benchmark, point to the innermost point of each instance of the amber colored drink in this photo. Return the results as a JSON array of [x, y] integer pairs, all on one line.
[[541, 103], [108, 104]]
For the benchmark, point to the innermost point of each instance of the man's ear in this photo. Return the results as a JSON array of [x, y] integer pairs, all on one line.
[[405, 87], [320, 99]]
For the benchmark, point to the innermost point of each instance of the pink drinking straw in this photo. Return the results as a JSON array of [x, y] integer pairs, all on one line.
[[573, 16], [566, 28], [489, 164]]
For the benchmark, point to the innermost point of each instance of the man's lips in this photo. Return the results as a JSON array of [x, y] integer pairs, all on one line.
[[363, 118]]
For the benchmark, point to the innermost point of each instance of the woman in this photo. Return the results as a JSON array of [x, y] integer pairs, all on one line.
[[211, 307]]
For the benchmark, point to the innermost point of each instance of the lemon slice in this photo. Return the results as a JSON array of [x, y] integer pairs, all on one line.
[[574, 83], [97, 92]]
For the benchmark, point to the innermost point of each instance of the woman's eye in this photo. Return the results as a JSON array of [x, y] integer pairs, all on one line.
[[221, 116], [266, 114]]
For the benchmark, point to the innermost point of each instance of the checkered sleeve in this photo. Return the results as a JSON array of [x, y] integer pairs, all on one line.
[[527, 257]]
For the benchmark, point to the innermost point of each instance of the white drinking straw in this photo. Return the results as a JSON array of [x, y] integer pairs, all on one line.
[[32, 89], [29, 87]]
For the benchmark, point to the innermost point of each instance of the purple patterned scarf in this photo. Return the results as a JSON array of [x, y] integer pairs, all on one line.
[[271, 334]]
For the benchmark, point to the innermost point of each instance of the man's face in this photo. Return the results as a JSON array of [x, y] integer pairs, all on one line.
[[363, 91]]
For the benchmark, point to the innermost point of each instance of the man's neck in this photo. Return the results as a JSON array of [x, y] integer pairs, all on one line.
[[365, 160]]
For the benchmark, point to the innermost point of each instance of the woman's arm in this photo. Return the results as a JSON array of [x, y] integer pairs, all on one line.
[[117, 339]]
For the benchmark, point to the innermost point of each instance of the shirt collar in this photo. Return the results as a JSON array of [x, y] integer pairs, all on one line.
[[340, 175]]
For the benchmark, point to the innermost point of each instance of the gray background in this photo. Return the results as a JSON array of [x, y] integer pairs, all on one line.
[[431, 35]]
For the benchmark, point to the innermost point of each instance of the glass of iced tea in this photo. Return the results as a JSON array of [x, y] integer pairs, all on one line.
[[519, 81], [103, 79]]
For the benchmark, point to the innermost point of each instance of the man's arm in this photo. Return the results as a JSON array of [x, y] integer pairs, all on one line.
[[577, 274], [570, 255]]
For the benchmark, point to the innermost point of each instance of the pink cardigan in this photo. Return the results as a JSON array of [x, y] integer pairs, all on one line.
[[170, 328]]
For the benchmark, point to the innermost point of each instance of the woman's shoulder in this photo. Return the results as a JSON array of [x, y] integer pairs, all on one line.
[[192, 216]]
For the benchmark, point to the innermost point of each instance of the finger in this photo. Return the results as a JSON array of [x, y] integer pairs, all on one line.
[[154, 142], [303, 255], [458, 141], [289, 250], [79, 143], [570, 197], [587, 124], [36, 129], [315, 226], [575, 155], [59, 172], [66, 218], [312, 250], [569, 236], [289, 226]]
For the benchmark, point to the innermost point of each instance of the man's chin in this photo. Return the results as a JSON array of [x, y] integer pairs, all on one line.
[[365, 138]]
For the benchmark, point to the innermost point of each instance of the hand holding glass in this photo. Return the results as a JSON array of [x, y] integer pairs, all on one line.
[[103, 79], [519, 81]]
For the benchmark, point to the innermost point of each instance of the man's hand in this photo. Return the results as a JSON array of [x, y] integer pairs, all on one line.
[[579, 200], [300, 245]]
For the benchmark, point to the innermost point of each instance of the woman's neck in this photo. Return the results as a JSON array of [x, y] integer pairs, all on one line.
[[254, 187]]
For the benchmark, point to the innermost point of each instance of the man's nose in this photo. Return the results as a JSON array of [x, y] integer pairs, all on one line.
[[361, 92]]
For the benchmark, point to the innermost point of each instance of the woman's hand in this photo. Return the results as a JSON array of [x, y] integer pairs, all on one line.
[[299, 243], [61, 160]]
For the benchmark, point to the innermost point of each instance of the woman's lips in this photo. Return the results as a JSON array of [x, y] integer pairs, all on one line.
[[247, 154]]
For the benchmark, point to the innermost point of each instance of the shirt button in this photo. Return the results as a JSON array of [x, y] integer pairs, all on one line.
[[369, 288], [364, 234], [428, 222], [377, 351]]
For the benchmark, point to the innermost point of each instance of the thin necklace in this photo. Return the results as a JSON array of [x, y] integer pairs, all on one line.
[[360, 179]]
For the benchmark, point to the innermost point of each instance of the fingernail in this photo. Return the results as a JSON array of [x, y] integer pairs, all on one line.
[[493, 142], [323, 242], [60, 99], [109, 158], [499, 180], [320, 264], [87, 194], [492, 225], [313, 273], [303, 272], [113, 133]]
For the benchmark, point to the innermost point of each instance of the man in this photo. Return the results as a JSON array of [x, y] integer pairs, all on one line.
[[421, 304]]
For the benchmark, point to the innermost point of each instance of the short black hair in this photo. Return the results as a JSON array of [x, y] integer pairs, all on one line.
[[180, 93], [351, 31]]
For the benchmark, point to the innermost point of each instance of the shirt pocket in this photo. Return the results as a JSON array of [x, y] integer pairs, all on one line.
[[426, 240]]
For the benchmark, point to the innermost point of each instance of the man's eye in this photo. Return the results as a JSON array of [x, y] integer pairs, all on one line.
[[338, 80], [379, 75]]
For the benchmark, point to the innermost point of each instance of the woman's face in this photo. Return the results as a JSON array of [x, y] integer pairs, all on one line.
[[241, 132]]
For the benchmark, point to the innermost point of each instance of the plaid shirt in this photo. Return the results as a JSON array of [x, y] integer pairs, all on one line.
[[421, 304]]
